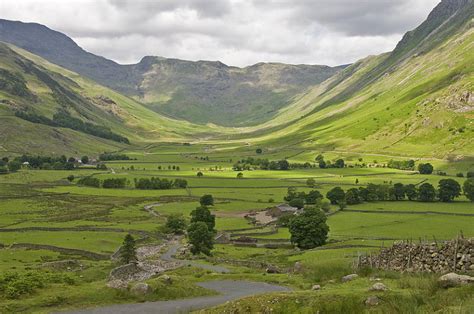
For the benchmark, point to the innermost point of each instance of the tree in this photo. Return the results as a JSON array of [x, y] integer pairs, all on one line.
[[128, 252], [240, 175], [175, 224], [14, 166], [70, 178], [309, 230], [399, 191], [71, 160], [425, 168], [297, 202], [311, 182], [85, 160], [207, 200], [283, 164], [470, 174], [200, 174], [322, 164], [319, 158], [202, 214], [313, 197], [448, 189], [426, 193], [468, 188], [258, 151], [200, 238], [352, 197], [336, 195], [339, 163], [411, 192]]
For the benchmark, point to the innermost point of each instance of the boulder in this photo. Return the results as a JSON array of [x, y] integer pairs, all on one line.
[[316, 287], [117, 284], [378, 287], [298, 267], [167, 279], [141, 289], [454, 280], [272, 270], [372, 301], [349, 277]]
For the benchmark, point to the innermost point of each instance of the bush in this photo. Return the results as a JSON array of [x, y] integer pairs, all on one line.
[[425, 168], [89, 181], [114, 183]]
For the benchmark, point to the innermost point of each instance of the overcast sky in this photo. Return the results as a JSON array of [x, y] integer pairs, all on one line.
[[236, 32]]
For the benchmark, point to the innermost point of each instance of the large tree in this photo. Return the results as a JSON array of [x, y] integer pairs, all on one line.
[[128, 251], [468, 188], [425, 168], [207, 200], [448, 190], [399, 191], [336, 195], [352, 197], [426, 193], [309, 230], [202, 214], [200, 238], [175, 224], [411, 192]]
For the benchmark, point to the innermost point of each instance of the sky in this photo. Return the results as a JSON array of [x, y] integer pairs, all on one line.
[[236, 32]]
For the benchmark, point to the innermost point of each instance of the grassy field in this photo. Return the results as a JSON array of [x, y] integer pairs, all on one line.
[[40, 207]]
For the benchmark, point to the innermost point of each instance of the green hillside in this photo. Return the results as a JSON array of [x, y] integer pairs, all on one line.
[[416, 101], [47, 109], [201, 92]]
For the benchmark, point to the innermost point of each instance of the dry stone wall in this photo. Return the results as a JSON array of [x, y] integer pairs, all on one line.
[[451, 256]]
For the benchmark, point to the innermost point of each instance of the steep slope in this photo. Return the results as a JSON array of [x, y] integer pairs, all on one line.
[[200, 91], [46, 108], [416, 101]]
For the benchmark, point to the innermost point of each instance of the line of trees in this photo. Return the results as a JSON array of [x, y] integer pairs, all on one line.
[[446, 191], [155, 183], [110, 183], [251, 163], [113, 156]]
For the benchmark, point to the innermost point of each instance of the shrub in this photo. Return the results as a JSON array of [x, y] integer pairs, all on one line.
[[89, 181]]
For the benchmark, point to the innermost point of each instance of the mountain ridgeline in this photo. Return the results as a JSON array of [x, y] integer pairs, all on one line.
[[416, 100], [200, 92]]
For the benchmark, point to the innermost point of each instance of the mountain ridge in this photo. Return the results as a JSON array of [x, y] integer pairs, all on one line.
[[187, 92]]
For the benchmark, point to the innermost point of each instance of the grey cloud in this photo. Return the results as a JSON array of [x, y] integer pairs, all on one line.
[[237, 32], [205, 8], [355, 18]]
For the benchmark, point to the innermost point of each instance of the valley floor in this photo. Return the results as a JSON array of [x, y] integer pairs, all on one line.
[[46, 218]]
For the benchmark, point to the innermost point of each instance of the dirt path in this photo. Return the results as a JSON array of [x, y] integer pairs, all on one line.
[[229, 290]]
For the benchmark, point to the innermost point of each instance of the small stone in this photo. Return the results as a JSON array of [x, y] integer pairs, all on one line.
[[378, 287], [141, 289], [372, 301], [316, 287], [349, 277]]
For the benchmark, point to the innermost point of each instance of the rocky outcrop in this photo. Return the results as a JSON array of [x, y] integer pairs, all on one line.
[[455, 255]]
